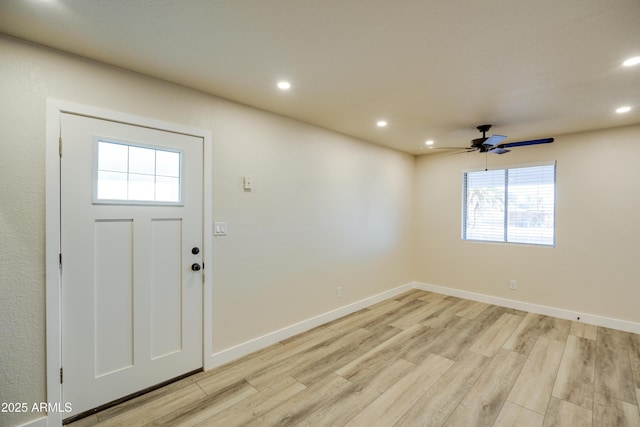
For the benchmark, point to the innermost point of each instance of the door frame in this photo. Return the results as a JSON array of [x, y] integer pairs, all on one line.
[[54, 109]]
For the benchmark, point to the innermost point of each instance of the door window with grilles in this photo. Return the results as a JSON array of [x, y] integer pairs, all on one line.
[[126, 173]]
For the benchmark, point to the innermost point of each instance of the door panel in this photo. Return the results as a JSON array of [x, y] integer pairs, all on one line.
[[113, 303], [166, 268], [131, 304]]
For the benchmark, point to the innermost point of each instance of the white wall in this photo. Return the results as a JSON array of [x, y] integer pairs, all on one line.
[[593, 268], [327, 210]]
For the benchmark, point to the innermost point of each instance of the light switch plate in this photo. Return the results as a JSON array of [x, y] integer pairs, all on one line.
[[247, 183], [219, 228]]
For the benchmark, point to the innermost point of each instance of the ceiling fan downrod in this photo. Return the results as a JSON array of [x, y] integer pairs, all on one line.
[[484, 129]]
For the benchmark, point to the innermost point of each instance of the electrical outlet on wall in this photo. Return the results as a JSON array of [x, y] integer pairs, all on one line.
[[513, 284], [339, 292]]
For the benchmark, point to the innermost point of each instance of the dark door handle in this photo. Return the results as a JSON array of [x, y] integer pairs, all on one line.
[[195, 266]]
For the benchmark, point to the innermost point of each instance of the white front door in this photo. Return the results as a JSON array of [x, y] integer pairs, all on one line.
[[131, 239]]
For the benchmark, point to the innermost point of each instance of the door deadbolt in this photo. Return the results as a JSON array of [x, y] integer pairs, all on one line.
[[195, 250]]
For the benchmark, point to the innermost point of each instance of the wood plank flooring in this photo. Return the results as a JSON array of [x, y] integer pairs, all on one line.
[[420, 359]]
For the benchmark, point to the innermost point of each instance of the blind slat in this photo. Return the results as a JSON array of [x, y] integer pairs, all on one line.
[[514, 205]]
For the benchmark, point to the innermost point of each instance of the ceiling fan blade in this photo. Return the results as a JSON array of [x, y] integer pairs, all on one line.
[[494, 140], [466, 150], [498, 150], [450, 148], [523, 143]]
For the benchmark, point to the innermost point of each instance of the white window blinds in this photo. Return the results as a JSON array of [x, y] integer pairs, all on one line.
[[515, 205]]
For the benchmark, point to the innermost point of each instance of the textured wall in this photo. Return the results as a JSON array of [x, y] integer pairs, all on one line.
[[327, 210], [594, 267], [22, 324]]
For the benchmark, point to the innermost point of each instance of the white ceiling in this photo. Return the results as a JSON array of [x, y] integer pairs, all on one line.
[[434, 69]]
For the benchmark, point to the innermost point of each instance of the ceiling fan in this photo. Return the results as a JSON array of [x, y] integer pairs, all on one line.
[[494, 144]]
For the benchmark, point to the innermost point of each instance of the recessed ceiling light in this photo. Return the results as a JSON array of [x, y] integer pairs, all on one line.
[[632, 61], [429, 142], [284, 85], [624, 109], [381, 123]]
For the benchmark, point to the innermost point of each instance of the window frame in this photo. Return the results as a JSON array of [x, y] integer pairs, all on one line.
[[95, 173], [464, 206]]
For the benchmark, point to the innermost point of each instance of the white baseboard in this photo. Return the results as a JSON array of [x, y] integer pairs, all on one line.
[[256, 344], [250, 346], [40, 422], [591, 319], [247, 347]]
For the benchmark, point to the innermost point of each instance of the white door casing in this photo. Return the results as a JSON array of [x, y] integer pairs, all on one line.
[[132, 307]]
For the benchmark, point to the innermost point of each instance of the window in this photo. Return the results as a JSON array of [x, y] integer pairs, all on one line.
[[136, 174], [515, 205]]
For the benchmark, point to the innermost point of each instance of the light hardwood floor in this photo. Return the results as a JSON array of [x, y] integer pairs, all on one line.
[[418, 359]]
